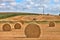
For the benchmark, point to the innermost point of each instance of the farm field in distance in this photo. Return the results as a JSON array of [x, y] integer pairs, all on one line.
[[26, 20]]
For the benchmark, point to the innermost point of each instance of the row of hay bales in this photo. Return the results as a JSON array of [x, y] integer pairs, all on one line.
[[7, 27], [31, 31]]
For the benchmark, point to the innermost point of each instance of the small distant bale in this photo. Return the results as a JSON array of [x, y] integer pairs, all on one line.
[[6, 27], [17, 26], [51, 24], [34, 19]]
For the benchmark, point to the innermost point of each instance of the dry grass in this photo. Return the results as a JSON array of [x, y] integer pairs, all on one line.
[[47, 33]]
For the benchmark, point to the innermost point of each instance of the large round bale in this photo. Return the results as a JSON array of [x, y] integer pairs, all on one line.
[[6, 27], [51, 24], [17, 26], [32, 31]]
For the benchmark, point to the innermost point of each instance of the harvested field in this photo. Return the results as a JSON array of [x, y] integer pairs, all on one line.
[[32, 27]]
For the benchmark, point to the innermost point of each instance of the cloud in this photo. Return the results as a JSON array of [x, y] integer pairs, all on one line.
[[45, 1], [30, 5], [8, 0], [2, 4], [13, 3], [28, 0], [31, 2], [53, 9], [56, 1]]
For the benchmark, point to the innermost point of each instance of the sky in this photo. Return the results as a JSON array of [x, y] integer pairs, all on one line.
[[32, 6]]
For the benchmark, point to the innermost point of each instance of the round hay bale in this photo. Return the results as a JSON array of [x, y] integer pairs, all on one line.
[[17, 26], [32, 31], [51, 24], [6, 27]]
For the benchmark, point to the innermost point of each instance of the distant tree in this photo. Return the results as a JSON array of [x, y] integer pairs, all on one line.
[[59, 14], [48, 14]]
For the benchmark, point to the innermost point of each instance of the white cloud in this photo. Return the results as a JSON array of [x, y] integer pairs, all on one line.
[[56, 1], [28, 6], [45, 6], [37, 4], [45, 1], [8, 0], [13, 4], [40, 8], [28, 0], [2, 4], [31, 2]]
